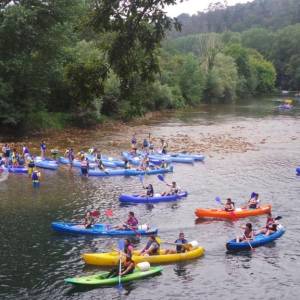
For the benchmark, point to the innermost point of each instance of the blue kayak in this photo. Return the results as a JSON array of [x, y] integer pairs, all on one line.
[[298, 171], [17, 170], [128, 172], [155, 199], [97, 229], [195, 157], [46, 163], [92, 165], [259, 240], [136, 160]]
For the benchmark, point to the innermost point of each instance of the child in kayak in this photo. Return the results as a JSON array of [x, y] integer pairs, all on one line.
[[127, 267], [149, 191], [88, 220], [229, 205], [152, 247], [248, 233], [181, 245]]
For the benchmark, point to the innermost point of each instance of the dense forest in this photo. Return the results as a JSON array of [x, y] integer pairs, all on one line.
[[78, 62]]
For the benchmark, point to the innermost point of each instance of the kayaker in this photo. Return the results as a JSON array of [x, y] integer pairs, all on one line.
[[133, 141], [145, 163], [71, 156], [229, 205], [174, 189], [128, 248], [35, 177], [126, 164], [145, 144], [181, 245], [101, 165], [164, 146], [84, 165], [127, 267], [149, 191], [130, 224], [43, 149], [248, 233], [31, 166], [269, 225], [253, 203], [88, 220], [152, 247]]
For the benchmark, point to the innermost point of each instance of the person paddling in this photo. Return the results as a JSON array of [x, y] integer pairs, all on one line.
[[174, 189], [248, 233], [229, 205], [130, 224], [152, 247], [127, 267], [253, 203], [149, 191], [181, 245]]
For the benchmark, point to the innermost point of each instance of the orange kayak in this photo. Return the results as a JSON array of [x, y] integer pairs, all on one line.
[[237, 213]]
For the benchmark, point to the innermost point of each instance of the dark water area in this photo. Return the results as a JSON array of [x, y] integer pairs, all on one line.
[[34, 261]]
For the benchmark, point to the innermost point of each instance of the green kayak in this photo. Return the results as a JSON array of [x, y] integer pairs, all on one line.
[[99, 279]]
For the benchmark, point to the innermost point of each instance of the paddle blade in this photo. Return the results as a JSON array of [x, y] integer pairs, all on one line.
[[278, 218], [121, 245], [158, 240], [109, 213], [252, 195], [161, 177], [218, 200]]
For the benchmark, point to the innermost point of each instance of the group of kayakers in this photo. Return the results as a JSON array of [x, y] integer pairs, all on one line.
[[147, 145]]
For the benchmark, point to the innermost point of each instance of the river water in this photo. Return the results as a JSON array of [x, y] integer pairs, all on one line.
[[34, 261]]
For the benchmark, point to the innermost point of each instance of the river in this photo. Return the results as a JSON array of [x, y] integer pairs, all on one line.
[[250, 146]]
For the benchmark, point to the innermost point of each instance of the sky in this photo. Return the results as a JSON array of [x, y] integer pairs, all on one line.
[[193, 6]]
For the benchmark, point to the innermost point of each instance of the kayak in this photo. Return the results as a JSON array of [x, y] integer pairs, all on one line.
[[136, 160], [155, 199], [174, 159], [129, 172], [18, 170], [237, 213], [259, 240], [112, 258], [101, 280], [196, 157], [285, 106], [298, 171], [92, 165], [98, 229], [46, 163]]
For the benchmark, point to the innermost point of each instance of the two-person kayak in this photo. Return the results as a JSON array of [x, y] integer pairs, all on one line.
[[129, 172], [112, 258], [99, 229], [124, 198], [259, 240], [230, 215], [101, 279]]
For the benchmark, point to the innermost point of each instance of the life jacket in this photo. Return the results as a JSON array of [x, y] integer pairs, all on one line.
[[35, 176], [84, 164]]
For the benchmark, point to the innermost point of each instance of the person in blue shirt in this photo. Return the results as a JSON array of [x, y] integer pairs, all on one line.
[[181, 245], [43, 149]]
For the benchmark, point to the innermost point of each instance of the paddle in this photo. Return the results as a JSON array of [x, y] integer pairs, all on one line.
[[121, 246], [252, 249], [160, 241], [141, 178]]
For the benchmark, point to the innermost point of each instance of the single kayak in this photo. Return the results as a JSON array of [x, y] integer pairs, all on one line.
[[101, 280], [129, 172], [77, 163], [298, 171], [237, 213], [196, 157], [136, 160], [112, 258], [172, 159], [98, 229], [155, 199], [285, 107], [259, 240], [46, 163], [17, 170]]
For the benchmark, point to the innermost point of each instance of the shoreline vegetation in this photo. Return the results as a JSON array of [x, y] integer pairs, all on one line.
[[80, 63]]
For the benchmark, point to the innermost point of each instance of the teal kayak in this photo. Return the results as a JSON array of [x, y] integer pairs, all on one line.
[[101, 280]]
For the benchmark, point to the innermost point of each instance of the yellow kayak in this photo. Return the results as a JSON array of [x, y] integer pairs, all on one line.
[[112, 258]]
